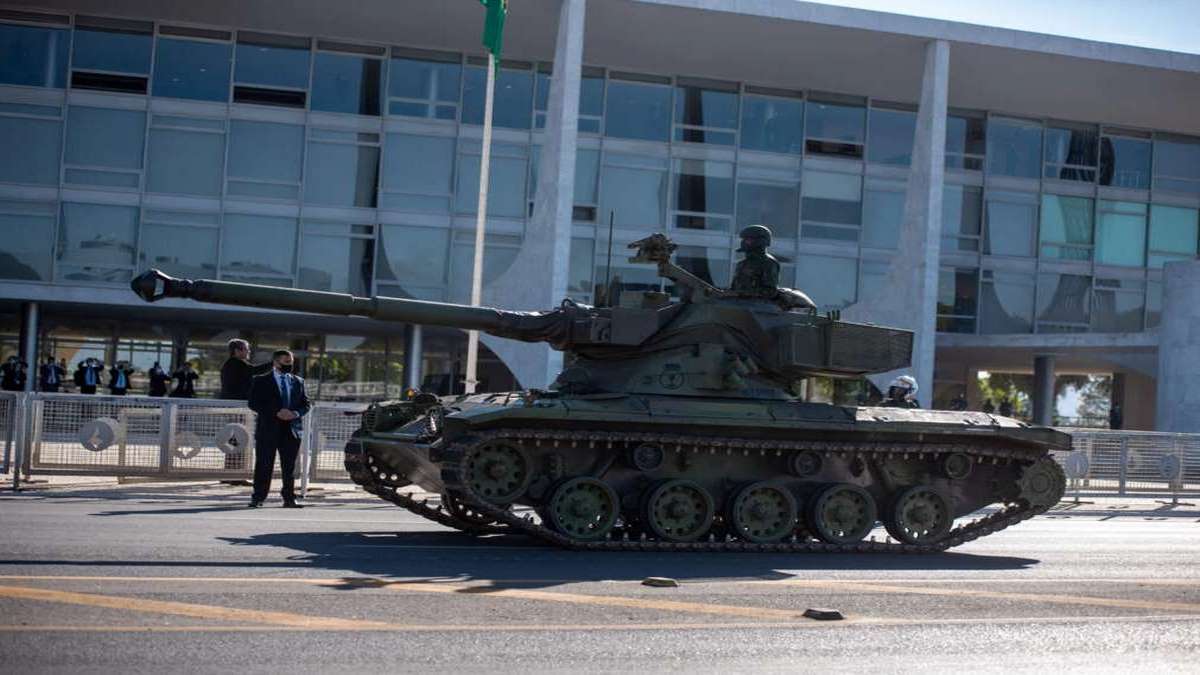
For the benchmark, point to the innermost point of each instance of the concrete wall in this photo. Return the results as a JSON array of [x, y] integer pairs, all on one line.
[[1179, 349]]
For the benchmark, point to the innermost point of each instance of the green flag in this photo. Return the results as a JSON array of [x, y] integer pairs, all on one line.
[[493, 25]]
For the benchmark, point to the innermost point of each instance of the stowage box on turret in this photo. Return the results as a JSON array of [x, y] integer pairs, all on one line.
[[676, 425]]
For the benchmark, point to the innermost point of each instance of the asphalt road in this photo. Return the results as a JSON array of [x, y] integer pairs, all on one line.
[[174, 578]]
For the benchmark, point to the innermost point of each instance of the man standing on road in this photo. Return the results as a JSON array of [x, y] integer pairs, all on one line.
[[236, 375], [280, 401]]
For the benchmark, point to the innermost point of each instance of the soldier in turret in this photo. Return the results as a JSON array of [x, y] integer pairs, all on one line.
[[758, 272], [902, 393]]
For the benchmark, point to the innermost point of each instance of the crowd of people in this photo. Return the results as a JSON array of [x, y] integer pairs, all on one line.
[[91, 376]]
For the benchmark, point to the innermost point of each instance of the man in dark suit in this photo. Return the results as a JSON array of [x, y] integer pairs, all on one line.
[[280, 401], [50, 376], [236, 375]]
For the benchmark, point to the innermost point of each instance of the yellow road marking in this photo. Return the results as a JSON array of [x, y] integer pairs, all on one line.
[[1051, 598], [186, 609]]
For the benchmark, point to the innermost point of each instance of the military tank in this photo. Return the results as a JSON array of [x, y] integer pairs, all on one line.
[[675, 425]]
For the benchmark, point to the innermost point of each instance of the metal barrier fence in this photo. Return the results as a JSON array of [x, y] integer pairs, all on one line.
[[214, 439]]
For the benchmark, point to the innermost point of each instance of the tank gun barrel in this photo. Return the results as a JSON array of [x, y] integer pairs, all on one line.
[[153, 285]]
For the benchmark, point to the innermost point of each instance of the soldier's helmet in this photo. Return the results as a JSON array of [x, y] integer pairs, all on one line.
[[755, 236], [903, 387]]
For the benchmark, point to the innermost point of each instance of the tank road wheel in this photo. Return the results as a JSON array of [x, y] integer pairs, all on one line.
[[679, 510], [842, 514], [465, 513], [584, 508], [763, 513], [1042, 483], [497, 472], [920, 515]]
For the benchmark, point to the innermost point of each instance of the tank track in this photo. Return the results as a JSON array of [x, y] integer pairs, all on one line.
[[453, 453]]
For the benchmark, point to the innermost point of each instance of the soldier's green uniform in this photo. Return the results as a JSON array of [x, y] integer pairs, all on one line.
[[758, 272]]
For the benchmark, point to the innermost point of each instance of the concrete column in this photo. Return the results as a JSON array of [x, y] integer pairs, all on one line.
[[179, 346], [908, 297], [414, 354], [537, 279], [1043, 390], [29, 336], [1178, 400]]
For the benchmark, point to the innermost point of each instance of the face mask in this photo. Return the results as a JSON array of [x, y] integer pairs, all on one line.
[[285, 367]]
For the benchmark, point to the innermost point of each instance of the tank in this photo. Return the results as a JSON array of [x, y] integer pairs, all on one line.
[[677, 425]]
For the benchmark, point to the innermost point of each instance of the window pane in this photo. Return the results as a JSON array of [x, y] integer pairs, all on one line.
[[891, 140], [418, 165], [33, 57], [513, 98], [1068, 148], [831, 198], [772, 124], [258, 248], [1010, 226], [105, 137], [26, 240], [266, 151], [830, 282], [883, 218], [1172, 230], [97, 234], [272, 66], [413, 256], [634, 194], [346, 84], [32, 149], [1014, 148], [1066, 224], [114, 51], [194, 70], [961, 215], [185, 251], [1177, 165], [1154, 293], [698, 107], [185, 162], [708, 263], [579, 270], [641, 111], [1063, 298], [1117, 307], [964, 136], [587, 166], [1121, 234], [507, 177], [1125, 162], [499, 251], [336, 264], [1006, 305], [341, 174], [424, 80], [957, 293], [835, 122], [775, 206], [591, 96], [703, 188]]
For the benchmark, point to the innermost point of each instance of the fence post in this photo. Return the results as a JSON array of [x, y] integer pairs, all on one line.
[[166, 435], [1124, 465], [20, 414], [307, 441]]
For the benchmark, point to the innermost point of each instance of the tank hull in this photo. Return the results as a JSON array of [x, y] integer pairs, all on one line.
[[731, 458]]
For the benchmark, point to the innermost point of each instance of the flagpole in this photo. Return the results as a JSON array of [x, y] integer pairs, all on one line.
[[480, 221]]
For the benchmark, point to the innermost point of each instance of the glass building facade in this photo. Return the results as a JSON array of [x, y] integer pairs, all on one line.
[[300, 161]]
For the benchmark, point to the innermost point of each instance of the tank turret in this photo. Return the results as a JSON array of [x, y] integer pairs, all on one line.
[[746, 343]]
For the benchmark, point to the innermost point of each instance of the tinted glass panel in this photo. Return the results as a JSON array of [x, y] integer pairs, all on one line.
[[835, 122], [97, 234], [33, 57], [1177, 165], [258, 248], [418, 165], [266, 151], [831, 199], [883, 218], [112, 51], [957, 293], [634, 190], [185, 162], [772, 124], [194, 70], [591, 96], [1121, 233], [26, 240], [1117, 306], [1063, 298], [1066, 230], [696, 107], [185, 251], [414, 256], [498, 255], [32, 148], [1067, 150], [1010, 225], [101, 137], [1154, 293], [1173, 234], [964, 136], [336, 264], [513, 99], [272, 66], [703, 187], [1006, 303], [776, 206], [579, 275], [961, 216], [424, 80], [587, 167], [346, 84], [830, 282], [1125, 162], [341, 174], [507, 178], [641, 111], [1014, 148], [891, 140]]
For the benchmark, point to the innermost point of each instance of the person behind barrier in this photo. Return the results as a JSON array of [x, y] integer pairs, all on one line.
[[185, 381], [87, 375], [51, 375], [10, 375], [118, 378], [279, 399], [902, 393], [158, 380], [237, 373]]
